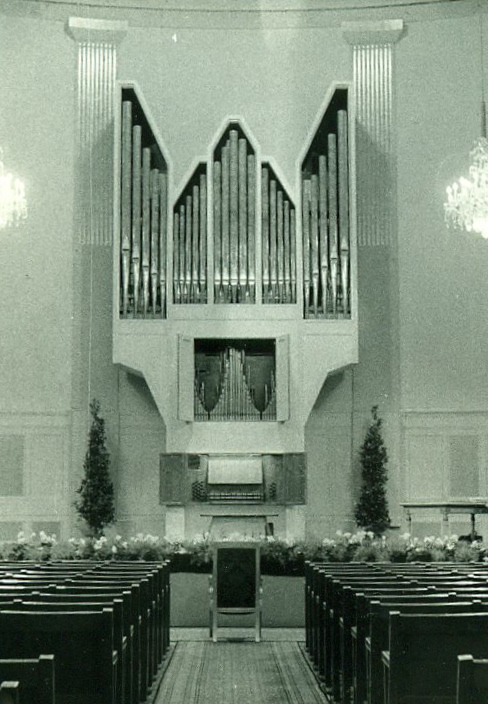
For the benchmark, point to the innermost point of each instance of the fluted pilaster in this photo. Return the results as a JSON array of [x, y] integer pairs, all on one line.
[[97, 42], [373, 55]]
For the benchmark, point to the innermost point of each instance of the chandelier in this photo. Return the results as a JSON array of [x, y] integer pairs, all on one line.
[[466, 207], [13, 205]]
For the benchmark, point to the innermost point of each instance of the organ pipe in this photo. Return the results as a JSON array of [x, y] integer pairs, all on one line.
[[314, 241], [203, 238], [176, 258], [293, 256], [225, 224], [126, 184], [195, 246], [332, 151], [306, 242], [265, 231], [251, 225], [324, 234], [343, 207], [146, 176], [242, 219], [217, 231], [286, 252], [188, 250], [163, 239], [155, 222], [272, 240], [280, 245], [136, 215], [234, 214]]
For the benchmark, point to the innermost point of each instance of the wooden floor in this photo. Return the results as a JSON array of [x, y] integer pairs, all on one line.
[[236, 670]]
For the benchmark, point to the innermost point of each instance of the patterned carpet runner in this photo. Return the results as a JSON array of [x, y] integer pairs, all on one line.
[[239, 673]]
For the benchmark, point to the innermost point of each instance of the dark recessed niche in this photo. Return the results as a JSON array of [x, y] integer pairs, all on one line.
[[235, 380]]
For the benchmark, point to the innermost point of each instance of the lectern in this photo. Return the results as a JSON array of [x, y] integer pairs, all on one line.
[[235, 583]]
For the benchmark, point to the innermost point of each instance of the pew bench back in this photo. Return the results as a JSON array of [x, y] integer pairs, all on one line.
[[35, 676]]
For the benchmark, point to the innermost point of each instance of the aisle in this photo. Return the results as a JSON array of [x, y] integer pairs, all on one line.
[[238, 672]]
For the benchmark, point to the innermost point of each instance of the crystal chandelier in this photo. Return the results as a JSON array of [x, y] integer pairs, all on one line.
[[13, 205], [466, 207]]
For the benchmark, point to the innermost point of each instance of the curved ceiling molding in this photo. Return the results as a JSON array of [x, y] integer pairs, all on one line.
[[241, 14]]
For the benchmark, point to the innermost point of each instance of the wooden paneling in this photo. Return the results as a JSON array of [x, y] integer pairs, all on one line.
[[464, 465], [173, 479], [294, 479]]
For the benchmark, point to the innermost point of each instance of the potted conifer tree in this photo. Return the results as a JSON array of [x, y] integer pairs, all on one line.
[[96, 502], [371, 512]]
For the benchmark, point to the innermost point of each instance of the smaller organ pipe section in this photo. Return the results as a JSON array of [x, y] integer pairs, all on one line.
[[143, 215], [278, 240], [325, 216], [235, 380], [190, 241], [234, 218]]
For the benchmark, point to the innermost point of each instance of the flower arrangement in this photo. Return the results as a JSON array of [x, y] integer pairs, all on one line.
[[278, 556]]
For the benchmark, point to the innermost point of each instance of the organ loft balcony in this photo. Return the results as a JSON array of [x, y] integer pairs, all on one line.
[[235, 292]]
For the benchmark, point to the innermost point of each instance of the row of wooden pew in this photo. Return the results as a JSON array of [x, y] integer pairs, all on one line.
[[386, 633], [86, 631]]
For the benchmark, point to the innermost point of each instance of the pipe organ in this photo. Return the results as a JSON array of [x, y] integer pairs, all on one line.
[[248, 272], [234, 218], [325, 217], [235, 380], [143, 216], [246, 204], [190, 241], [278, 236]]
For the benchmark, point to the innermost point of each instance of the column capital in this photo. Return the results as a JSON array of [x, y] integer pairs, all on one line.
[[372, 32], [85, 29]]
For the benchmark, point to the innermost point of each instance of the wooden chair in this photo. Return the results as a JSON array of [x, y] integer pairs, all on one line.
[[472, 680], [235, 584], [35, 676]]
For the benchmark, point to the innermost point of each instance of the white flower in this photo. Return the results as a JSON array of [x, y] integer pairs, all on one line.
[[114, 549]]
